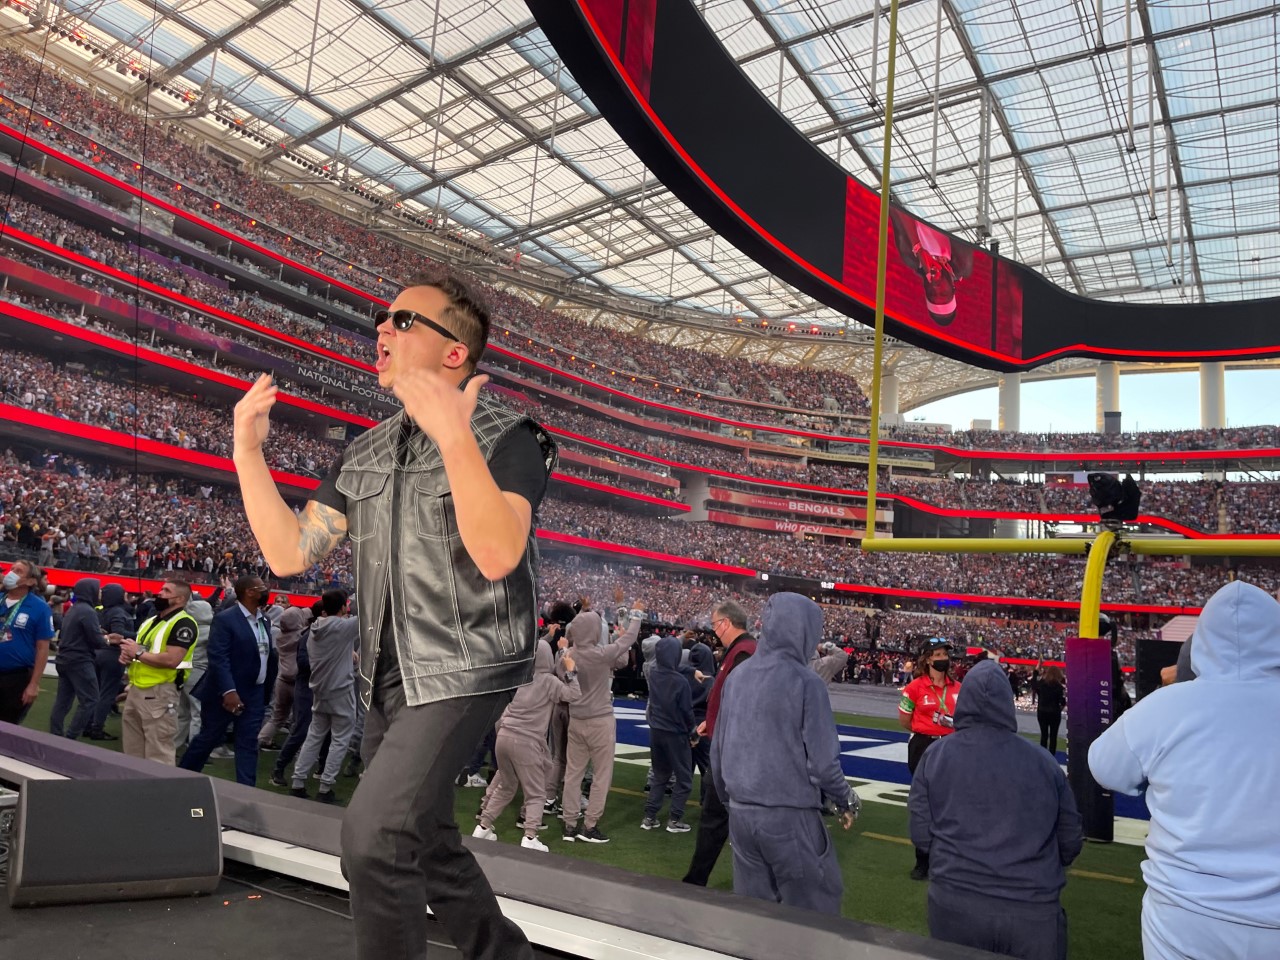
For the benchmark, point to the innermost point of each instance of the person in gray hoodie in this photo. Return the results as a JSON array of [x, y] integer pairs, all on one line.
[[331, 648], [81, 638], [829, 660], [997, 819], [521, 746], [293, 620], [776, 761], [593, 729], [188, 706]]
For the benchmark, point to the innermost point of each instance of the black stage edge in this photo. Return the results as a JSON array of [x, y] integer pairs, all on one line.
[[709, 919]]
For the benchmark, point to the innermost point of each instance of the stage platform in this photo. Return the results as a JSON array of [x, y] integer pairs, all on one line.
[[282, 894]]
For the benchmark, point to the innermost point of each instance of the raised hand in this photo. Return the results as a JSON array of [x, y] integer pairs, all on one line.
[[252, 422], [440, 409]]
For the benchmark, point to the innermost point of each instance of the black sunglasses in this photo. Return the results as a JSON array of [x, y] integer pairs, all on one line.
[[404, 319]]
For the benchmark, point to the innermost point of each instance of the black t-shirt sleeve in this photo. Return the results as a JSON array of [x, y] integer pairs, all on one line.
[[328, 492], [517, 466], [184, 635]]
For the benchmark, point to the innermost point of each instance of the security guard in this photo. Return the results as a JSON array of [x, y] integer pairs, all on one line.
[[165, 640]]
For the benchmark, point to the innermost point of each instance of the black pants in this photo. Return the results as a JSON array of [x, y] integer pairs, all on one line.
[[702, 763], [1030, 931], [713, 831], [110, 685], [401, 850], [916, 747], [12, 683], [1049, 724]]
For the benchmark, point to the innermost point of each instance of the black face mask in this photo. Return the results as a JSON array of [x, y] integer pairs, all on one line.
[[942, 666], [161, 604]]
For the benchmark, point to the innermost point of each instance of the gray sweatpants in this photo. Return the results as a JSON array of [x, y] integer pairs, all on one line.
[[785, 854], [559, 736], [338, 718], [589, 740], [522, 763]]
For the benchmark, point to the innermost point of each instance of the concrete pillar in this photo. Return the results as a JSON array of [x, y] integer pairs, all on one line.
[[1107, 393], [1010, 402], [889, 399], [1213, 395]]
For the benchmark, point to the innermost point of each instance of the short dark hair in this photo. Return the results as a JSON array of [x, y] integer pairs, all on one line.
[[183, 588], [244, 583], [332, 602], [732, 611], [466, 316]]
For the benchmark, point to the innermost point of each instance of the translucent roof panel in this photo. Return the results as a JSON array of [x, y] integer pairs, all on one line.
[[1133, 157]]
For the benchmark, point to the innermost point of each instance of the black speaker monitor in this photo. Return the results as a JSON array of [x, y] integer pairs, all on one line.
[[85, 841], [1152, 657]]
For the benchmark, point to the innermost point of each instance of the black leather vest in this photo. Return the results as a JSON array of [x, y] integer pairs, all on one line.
[[456, 633]]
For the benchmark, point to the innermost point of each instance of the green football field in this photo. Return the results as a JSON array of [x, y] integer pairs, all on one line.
[[1103, 896]]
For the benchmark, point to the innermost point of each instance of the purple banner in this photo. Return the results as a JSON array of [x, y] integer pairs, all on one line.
[[1089, 714], [161, 260]]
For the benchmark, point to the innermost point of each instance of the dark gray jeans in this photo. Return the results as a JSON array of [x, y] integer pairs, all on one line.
[[1030, 931], [785, 854], [401, 850], [78, 684]]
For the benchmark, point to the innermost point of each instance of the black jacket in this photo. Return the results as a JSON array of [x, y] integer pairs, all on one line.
[[82, 635]]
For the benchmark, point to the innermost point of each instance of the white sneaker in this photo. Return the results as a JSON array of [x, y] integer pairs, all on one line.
[[475, 780], [480, 833], [533, 843]]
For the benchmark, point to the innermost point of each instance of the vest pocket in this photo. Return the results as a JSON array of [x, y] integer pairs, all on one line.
[[363, 490], [433, 509]]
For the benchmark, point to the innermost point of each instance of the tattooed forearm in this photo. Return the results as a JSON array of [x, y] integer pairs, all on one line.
[[322, 528]]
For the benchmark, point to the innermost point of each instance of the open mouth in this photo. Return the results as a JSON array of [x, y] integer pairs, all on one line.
[[384, 358]]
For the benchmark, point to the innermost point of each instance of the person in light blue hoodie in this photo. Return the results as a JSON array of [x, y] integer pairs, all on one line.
[[775, 757], [1205, 752]]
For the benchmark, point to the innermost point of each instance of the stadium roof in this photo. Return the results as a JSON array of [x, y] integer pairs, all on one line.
[[1142, 171]]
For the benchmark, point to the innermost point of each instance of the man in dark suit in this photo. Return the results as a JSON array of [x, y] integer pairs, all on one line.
[[242, 669]]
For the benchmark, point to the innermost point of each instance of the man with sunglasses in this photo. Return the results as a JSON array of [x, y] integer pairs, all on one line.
[[438, 502]]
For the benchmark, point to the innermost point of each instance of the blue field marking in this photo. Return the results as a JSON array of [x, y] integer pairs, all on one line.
[[865, 754]]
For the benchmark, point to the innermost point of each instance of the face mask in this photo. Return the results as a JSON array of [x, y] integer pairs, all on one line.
[[10, 581], [161, 604], [942, 666]]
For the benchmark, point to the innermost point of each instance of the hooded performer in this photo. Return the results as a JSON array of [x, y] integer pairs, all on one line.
[[776, 760], [998, 843], [1205, 753], [521, 746], [593, 729]]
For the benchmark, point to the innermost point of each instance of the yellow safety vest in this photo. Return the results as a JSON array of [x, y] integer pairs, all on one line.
[[153, 637]]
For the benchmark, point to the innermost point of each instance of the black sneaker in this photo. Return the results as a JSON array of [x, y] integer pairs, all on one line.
[[594, 835], [300, 793], [570, 834], [325, 796], [277, 780], [101, 735]]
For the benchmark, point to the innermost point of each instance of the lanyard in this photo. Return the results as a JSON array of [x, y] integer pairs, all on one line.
[[942, 699], [13, 614]]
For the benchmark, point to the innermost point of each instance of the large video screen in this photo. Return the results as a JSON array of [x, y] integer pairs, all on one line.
[[665, 82]]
